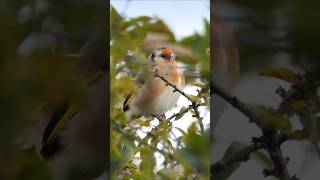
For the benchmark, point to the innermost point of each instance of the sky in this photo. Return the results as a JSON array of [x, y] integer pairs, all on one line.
[[184, 17]]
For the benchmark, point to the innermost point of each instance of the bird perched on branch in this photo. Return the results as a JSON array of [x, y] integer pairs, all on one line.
[[154, 97]]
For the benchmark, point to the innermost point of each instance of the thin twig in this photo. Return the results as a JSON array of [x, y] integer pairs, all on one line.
[[174, 87], [142, 142], [235, 102], [194, 105], [179, 114], [270, 139], [183, 112], [241, 155], [280, 164]]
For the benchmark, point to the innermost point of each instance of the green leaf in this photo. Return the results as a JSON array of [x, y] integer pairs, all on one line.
[[143, 18], [272, 119], [115, 20], [196, 153], [264, 159], [148, 162], [228, 170], [181, 114], [195, 99], [198, 84], [121, 154], [298, 135], [143, 122], [300, 105], [208, 51], [169, 144], [165, 129], [167, 174], [283, 74]]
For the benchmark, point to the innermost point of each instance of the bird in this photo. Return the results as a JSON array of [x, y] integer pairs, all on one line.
[[224, 72], [72, 137], [224, 67], [154, 97]]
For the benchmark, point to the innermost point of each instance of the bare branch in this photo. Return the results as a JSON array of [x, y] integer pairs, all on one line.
[[194, 105], [270, 140], [174, 87], [241, 155], [235, 102]]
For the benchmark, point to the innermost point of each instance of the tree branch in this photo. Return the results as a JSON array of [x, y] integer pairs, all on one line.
[[270, 140], [241, 155], [179, 114], [142, 142], [174, 87], [235, 102], [194, 105]]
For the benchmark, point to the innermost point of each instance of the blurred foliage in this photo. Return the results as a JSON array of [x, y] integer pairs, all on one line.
[[265, 30], [278, 33], [36, 72], [186, 156], [299, 102]]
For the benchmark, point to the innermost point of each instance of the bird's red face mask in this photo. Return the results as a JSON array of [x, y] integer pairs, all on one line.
[[168, 55]]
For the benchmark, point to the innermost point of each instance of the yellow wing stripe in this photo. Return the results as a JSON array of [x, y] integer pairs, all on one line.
[[72, 110]]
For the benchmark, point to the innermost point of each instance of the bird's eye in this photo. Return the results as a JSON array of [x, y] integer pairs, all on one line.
[[163, 55], [152, 56]]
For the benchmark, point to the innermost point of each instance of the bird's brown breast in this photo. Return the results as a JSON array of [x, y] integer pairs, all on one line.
[[156, 97]]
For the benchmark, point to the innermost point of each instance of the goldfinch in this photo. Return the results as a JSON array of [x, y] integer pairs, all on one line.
[[154, 97]]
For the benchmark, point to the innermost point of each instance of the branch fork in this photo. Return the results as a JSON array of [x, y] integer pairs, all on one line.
[[271, 141], [194, 105]]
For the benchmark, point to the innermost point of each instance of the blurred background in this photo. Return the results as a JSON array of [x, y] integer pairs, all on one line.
[[271, 34], [40, 43], [174, 15], [40, 39]]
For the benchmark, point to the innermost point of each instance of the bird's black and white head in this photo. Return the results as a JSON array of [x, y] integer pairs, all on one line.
[[162, 55]]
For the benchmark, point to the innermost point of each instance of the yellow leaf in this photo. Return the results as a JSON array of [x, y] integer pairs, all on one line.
[[198, 84], [283, 74], [299, 105], [195, 99]]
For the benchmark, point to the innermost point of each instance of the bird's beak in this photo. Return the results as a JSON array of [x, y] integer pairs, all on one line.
[[170, 57]]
